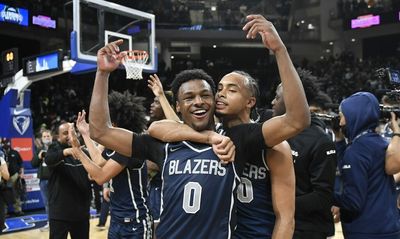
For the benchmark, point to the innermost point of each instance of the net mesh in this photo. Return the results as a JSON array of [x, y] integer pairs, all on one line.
[[134, 61]]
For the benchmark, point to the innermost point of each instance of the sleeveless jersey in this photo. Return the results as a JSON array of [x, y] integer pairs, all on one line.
[[128, 193], [198, 193], [255, 214]]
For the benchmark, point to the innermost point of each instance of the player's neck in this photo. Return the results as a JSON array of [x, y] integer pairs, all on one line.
[[236, 120]]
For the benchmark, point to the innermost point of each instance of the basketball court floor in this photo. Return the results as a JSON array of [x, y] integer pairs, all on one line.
[[95, 233]]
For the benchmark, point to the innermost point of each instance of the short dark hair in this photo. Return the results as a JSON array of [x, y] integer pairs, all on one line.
[[250, 82], [311, 89], [127, 111], [188, 75], [322, 100]]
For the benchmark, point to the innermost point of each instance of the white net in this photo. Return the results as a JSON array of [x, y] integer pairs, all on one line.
[[134, 62]]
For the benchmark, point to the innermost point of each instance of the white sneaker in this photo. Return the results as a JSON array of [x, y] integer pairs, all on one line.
[[45, 228]]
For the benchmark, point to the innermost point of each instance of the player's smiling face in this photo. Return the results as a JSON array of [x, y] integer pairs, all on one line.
[[196, 104], [232, 96]]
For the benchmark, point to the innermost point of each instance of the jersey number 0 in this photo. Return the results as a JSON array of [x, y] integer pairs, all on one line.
[[192, 197]]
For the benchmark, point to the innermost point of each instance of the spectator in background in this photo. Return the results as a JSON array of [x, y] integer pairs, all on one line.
[[43, 171], [367, 201], [4, 175], [16, 170], [314, 158], [69, 190]]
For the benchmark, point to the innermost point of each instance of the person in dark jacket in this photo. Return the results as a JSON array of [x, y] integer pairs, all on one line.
[[43, 171], [69, 190], [4, 175], [16, 170], [367, 201], [314, 158]]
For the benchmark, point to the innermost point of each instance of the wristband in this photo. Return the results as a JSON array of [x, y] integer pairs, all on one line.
[[395, 134]]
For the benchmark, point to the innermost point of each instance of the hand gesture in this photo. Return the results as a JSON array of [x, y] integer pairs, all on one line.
[[81, 123], [257, 24], [155, 85], [109, 57], [73, 137], [223, 147]]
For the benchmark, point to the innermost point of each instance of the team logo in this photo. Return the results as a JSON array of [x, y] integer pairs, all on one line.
[[11, 14], [21, 123]]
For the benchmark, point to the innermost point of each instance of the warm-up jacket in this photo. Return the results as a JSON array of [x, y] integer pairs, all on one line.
[[69, 187], [367, 199], [314, 158]]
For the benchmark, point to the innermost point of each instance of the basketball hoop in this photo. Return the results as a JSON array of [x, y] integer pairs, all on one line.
[[134, 61]]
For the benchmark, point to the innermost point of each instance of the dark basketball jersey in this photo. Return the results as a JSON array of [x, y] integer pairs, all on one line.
[[198, 192], [155, 196], [128, 193], [255, 214]]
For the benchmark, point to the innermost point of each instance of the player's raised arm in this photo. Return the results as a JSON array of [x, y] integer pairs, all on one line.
[[297, 115], [280, 162], [101, 130], [155, 85]]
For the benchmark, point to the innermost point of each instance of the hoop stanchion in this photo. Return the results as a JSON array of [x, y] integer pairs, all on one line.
[[134, 61]]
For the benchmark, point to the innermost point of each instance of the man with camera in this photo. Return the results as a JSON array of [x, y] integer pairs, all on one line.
[[367, 200], [43, 171]]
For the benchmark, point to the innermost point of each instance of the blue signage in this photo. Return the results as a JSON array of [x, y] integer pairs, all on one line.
[[14, 15]]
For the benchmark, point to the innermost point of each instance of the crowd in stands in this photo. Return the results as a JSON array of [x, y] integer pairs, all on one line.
[[339, 76], [354, 8], [173, 14]]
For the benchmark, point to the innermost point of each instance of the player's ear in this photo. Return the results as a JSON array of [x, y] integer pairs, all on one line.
[[177, 107], [251, 102]]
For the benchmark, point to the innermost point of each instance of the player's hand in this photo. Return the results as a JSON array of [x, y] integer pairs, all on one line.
[[73, 138], [335, 213], [81, 123], [257, 24], [223, 147], [155, 85], [106, 194], [109, 57]]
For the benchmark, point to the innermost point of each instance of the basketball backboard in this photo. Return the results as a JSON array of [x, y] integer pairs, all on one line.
[[98, 22]]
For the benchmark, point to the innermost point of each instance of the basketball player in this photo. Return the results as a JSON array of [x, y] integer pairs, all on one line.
[[197, 190], [130, 216], [235, 99]]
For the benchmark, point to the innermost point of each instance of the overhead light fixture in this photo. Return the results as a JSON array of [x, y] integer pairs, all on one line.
[[331, 43], [172, 57], [214, 46], [310, 26], [213, 8], [353, 39], [302, 21]]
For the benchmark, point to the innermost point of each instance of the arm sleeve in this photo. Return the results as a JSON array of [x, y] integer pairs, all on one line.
[[248, 139], [121, 159], [54, 155], [322, 170], [146, 147], [354, 174]]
